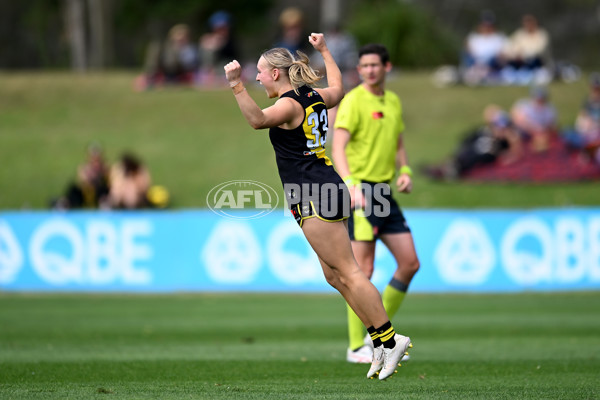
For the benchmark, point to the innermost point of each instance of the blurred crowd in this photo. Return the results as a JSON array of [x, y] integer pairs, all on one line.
[[182, 60], [529, 127], [124, 185], [491, 57]]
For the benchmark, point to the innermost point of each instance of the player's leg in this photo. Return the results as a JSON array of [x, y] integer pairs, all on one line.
[[364, 253], [360, 348], [395, 233], [402, 247], [331, 243], [359, 351]]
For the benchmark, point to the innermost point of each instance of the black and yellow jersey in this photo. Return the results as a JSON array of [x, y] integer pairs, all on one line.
[[300, 152]]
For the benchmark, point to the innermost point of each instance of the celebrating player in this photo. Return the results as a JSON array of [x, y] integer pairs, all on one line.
[[367, 151], [297, 124]]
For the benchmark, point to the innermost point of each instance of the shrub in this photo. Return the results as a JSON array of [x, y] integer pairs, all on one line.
[[413, 38]]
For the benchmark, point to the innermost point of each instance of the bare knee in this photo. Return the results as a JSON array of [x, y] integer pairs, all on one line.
[[367, 265], [352, 278], [332, 278], [345, 279], [408, 268], [334, 283], [414, 265]]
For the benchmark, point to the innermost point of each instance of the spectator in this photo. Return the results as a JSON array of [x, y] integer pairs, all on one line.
[[174, 62], [482, 59], [586, 133], [496, 141], [535, 118], [90, 188], [216, 47], [93, 177], [527, 54], [129, 183], [293, 35]]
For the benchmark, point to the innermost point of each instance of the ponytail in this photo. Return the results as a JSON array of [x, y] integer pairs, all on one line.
[[298, 69]]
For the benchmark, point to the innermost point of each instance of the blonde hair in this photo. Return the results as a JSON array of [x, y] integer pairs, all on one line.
[[298, 68]]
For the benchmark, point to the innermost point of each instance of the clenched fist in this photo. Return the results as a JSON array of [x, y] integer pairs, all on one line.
[[233, 71]]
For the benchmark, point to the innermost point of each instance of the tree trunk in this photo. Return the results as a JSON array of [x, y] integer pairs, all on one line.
[[330, 14], [76, 33], [99, 12]]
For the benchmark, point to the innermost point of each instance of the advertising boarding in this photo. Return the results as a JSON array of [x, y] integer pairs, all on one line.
[[249, 250]]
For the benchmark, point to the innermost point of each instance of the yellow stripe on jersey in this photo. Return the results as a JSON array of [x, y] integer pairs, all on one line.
[[315, 128]]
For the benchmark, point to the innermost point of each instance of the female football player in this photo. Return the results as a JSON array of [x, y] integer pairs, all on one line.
[[318, 198]]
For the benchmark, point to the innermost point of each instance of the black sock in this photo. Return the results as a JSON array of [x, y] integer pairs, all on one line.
[[374, 337], [386, 335]]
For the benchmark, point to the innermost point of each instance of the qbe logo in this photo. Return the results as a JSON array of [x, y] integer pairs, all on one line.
[[229, 198]]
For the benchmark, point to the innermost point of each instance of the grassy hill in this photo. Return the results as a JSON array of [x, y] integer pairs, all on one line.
[[195, 139]]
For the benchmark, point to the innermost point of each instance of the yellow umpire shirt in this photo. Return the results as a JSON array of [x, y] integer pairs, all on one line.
[[374, 123]]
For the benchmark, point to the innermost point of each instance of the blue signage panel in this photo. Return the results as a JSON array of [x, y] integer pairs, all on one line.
[[198, 250]]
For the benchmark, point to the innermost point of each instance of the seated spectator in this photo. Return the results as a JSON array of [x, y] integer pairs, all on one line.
[[495, 141], [90, 189], [92, 177], [174, 62], [129, 183], [527, 54], [482, 59], [585, 135], [217, 47], [535, 118]]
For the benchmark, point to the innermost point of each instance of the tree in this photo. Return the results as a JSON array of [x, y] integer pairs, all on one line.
[[75, 27]]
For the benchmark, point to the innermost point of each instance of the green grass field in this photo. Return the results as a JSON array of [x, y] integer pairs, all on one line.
[[275, 346], [269, 346], [193, 140]]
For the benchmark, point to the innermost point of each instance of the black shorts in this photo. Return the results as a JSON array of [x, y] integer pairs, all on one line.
[[331, 208], [381, 214]]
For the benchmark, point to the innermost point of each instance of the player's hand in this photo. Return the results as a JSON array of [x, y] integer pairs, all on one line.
[[318, 41], [404, 183], [233, 72], [357, 198]]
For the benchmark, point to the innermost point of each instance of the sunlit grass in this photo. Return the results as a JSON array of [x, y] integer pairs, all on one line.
[[273, 346]]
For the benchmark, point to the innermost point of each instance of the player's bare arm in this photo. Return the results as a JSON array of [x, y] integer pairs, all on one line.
[[341, 138], [334, 93], [280, 113], [404, 181]]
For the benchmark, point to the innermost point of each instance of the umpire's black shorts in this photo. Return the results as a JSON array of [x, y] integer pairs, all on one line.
[[381, 214]]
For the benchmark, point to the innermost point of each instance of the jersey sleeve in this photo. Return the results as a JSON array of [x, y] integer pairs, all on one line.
[[346, 118]]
